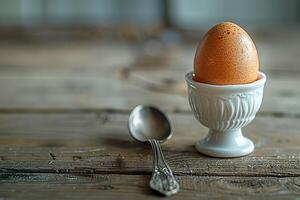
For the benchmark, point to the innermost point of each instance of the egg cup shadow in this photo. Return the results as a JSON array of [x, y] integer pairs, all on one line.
[[225, 109]]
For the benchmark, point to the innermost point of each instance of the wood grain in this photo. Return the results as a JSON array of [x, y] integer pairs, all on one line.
[[104, 146], [108, 128], [63, 131], [49, 186], [270, 162], [85, 75]]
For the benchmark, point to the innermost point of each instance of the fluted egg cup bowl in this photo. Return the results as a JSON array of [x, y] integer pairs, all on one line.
[[225, 109]]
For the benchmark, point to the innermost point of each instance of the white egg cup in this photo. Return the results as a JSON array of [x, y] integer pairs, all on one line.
[[225, 109]]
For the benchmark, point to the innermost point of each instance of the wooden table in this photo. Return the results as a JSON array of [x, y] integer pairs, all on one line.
[[63, 124]]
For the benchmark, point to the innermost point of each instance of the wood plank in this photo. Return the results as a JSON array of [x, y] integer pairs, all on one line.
[[99, 143], [101, 127], [281, 96], [278, 56], [100, 160], [76, 75], [76, 186]]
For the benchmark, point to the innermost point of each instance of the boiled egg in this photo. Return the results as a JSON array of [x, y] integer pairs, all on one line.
[[226, 56]]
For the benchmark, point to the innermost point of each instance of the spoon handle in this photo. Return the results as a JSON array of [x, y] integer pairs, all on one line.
[[162, 179]]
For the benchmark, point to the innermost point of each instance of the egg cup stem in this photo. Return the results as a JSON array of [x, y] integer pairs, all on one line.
[[229, 143]]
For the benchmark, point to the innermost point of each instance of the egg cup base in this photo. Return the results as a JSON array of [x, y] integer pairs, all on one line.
[[225, 144]]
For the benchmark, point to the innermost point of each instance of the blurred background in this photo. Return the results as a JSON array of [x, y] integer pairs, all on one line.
[[182, 14], [109, 53]]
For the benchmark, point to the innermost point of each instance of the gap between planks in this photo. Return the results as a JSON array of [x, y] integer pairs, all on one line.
[[91, 172], [275, 114]]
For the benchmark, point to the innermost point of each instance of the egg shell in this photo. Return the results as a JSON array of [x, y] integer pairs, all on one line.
[[226, 56]]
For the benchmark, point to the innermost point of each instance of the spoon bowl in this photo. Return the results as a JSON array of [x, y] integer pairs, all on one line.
[[148, 122]]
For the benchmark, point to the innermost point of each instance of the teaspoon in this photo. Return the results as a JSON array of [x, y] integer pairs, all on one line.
[[149, 124]]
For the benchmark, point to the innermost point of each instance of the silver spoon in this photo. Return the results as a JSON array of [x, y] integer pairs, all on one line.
[[149, 124]]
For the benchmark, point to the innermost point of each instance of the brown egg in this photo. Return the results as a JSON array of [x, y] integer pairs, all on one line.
[[226, 56]]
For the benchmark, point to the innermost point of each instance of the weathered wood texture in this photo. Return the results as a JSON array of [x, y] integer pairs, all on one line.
[[94, 186], [91, 153], [63, 132], [113, 75]]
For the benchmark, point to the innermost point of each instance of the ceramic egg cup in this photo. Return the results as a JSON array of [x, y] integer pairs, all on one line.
[[225, 109]]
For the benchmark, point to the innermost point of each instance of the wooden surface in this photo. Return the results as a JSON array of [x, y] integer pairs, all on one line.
[[63, 131]]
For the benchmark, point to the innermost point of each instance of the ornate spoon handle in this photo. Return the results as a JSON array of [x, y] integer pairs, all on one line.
[[162, 179]]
